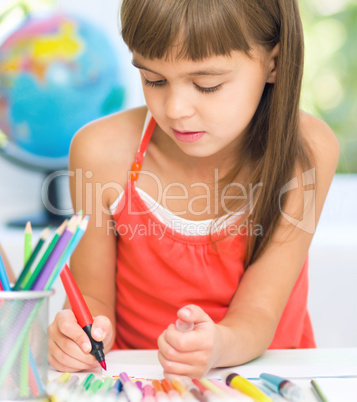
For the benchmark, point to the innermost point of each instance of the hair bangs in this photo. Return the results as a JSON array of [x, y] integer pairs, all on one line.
[[187, 29]]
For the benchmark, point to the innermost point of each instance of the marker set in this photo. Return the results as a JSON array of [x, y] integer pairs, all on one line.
[[68, 388]]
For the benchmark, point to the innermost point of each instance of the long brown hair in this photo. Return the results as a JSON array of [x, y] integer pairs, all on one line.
[[206, 28]]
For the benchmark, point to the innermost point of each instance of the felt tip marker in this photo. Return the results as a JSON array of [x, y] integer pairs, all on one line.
[[132, 392], [82, 313], [246, 387], [284, 387]]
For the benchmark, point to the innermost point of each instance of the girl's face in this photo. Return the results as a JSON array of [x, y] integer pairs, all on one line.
[[205, 106]]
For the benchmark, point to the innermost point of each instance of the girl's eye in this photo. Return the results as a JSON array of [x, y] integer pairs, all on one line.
[[159, 83], [208, 90]]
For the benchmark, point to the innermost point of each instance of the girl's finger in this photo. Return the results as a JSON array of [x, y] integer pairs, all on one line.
[[190, 341], [101, 329], [173, 369], [65, 358], [68, 326]]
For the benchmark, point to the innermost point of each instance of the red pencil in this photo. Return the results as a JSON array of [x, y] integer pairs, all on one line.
[[81, 312]]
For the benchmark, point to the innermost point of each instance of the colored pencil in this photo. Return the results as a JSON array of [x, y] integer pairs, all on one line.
[[55, 255], [36, 373], [57, 235], [68, 251], [28, 242], [27, 246], [5, 283], [10, 350], [318, 391], [26, 270]]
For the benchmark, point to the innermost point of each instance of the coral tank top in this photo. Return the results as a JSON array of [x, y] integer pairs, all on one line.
[[160, 270]]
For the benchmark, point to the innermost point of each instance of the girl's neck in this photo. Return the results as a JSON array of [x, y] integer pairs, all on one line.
[[220, 163]]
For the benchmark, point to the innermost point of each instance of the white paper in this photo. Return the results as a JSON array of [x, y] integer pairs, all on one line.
[[338, 389]]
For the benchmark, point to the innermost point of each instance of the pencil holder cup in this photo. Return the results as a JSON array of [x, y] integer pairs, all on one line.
[[24, 345]]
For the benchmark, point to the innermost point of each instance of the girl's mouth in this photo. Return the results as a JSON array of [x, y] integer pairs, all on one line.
[[188, 136]]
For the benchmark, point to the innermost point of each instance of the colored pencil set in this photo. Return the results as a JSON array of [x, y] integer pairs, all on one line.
[[19, 310], [232, 387]]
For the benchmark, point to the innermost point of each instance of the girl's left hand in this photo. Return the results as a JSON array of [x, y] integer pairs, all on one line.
[[190, 353]]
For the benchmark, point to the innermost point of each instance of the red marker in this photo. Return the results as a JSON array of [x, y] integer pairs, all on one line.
[[81, 312]]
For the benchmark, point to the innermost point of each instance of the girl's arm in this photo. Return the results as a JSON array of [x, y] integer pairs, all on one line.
[[94, 185], [251, 320]]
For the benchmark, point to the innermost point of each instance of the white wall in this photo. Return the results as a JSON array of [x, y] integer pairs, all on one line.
[[333, 267]]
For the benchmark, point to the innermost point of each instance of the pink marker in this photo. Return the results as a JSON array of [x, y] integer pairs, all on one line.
[[148, 393]]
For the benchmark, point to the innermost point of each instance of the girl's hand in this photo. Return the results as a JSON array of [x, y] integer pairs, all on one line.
[[69, 346], [191, 353]]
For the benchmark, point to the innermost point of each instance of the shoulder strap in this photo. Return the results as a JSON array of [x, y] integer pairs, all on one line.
[[148, 129]]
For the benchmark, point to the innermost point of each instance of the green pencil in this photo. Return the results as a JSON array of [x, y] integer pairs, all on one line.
[[27, 242], [318, 392], [30, 261], [58, 233]]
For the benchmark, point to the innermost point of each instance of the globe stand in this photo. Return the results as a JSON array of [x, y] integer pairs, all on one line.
[[45, 217]]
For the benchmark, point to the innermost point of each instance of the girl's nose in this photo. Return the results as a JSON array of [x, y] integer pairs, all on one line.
[[178, 104]]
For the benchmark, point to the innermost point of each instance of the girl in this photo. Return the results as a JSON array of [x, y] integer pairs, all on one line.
[[214, 189]]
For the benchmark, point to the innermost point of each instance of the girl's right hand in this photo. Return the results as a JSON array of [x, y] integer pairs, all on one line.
[[69, 346]]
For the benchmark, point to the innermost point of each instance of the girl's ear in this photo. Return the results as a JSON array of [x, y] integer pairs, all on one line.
[[272, 63]]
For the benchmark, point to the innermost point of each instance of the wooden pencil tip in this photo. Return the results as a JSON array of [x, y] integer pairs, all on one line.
[[28, 227], [61, 228], [45, 233], [73, 223], [84, 223]]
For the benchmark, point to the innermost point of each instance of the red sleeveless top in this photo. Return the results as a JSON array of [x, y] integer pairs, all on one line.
[[160, 270]]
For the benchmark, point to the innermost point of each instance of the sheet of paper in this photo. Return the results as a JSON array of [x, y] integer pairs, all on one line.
[[286, 363], [147, 371], [338, 389]]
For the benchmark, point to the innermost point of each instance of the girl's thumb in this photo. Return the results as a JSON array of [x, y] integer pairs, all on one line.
[[190, 315], [101, 328]]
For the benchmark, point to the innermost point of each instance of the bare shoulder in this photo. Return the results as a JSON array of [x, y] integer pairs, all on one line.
[[322, 142], [108, 143], [103, 151]]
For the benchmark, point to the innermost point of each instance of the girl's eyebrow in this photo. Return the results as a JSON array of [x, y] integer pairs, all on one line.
[[207, 71]]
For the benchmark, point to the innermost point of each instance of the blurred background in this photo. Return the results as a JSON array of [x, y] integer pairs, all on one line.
[[67, 58]]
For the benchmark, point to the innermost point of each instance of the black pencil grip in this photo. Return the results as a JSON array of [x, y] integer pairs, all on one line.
[[97, 347]]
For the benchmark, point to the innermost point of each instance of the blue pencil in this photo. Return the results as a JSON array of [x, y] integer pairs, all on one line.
[[3, 276]]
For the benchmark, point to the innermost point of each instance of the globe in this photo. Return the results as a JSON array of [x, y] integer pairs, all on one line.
[[57, 73]]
